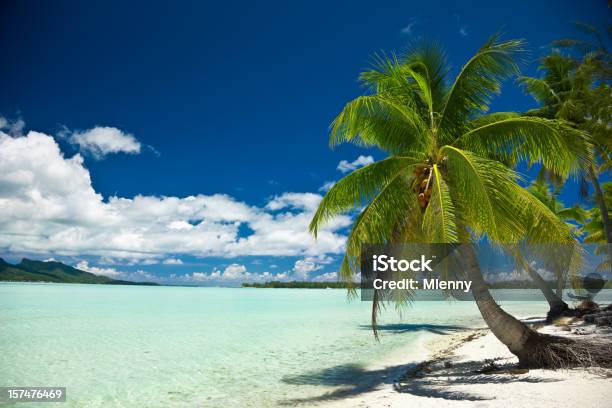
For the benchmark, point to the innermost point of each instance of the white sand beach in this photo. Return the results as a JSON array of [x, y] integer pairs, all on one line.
[[450, 378]]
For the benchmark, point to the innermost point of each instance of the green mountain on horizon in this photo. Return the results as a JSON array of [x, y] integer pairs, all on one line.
[[52, 271]]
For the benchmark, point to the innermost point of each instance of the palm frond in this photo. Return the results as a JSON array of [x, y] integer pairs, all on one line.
[[424, 89], [541, 90], [549, 237], [490, 118], [379, 120], [560, 148], [543, 225], [387, 76], [484, 192], [575, 212], [359, 188], [439, 218], [479, 79], [377, 223], [429, 60]]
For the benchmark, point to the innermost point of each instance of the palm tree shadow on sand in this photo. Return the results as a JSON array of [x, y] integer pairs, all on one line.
[[439, 382], [353, 380]]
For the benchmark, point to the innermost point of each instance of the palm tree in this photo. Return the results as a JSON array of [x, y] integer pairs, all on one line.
[[577, 90], [447, 177], [540, 189]]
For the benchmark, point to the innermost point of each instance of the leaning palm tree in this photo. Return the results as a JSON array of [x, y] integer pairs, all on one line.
[[447, 177]]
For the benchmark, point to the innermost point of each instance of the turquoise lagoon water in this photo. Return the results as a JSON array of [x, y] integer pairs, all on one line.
[[131, 346]]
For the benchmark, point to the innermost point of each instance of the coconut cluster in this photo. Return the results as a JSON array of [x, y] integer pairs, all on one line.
[[423, 184]]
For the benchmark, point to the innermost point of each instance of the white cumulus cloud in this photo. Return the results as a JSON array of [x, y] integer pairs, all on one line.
[[234, 271], [232, 274], [326, 277], [303, 267], [13, 127], [48, 206], [345, 166], [102, 140], [113, 273], [110, 272], [172, 261]]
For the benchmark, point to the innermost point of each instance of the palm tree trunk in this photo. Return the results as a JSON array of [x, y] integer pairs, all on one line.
[[533, 349], [556, 305], [560, 286], [510, 331]]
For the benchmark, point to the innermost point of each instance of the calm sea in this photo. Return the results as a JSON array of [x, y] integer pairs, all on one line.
[[206, 347]]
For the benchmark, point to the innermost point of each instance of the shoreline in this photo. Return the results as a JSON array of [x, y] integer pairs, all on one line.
[[473, 367]]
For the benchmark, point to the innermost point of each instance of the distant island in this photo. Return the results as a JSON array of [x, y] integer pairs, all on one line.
[[52, 271]]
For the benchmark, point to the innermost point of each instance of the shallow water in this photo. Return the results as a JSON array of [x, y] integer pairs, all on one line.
[[214, 347]]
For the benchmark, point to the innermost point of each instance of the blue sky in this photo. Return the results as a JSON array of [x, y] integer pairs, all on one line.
[[230, 98]]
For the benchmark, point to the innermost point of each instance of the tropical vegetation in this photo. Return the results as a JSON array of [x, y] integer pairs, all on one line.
[[575, 87]]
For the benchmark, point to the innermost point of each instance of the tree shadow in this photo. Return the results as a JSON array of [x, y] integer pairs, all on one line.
[[354, 380], [436, 383], [400, 328]]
